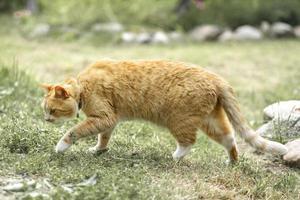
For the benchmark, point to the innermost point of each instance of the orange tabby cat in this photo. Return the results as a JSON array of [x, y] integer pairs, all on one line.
[[179, 96]]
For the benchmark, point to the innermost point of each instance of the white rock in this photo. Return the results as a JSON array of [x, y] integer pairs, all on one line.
[[110, 27], [293, 155], [19, 186], [89, 182], [36, 195], [266, 129], [227, 35], [283, 110], [48, 184], [297, 31], [40, 30], [128, 37], [205, 32], [175, 36], [31, 183], [15, 187], [67, 188], [160, 37], [280, 128], [284, 120], [247, 32], [143, 38], [280, 29]]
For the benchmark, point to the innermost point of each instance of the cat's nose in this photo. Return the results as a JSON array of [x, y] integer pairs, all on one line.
[[49, 119]]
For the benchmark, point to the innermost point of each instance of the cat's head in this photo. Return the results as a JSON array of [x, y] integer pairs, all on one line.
[[60, 101]]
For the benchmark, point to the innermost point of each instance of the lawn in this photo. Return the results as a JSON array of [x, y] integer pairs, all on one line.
[[139, 163]]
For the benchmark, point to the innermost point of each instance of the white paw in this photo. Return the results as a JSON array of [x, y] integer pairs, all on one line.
[[175, 155], [96, 150], [62, 146], [93, 150], [176, 158], [227, 162], [180, 152]]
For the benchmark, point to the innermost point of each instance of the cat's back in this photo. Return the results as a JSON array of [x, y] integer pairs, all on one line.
[[145, 75], [154, 68], [148, 89]]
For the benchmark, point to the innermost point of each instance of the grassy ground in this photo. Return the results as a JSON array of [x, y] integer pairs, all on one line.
[[139, 164]]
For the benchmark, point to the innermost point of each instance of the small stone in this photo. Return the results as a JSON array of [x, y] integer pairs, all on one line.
[[67, 189], [293, 156], [205, 32], [297, 31], [48, 184], [128, 37], [89, 182], [160, 38], [35, 194], [265, 130], [19, 186], [287, 129], [283, 110], [247, 32], [281, 29], [144, 38], [227, 35], [283, 120], [6, 92], [31, 183], [16, 187]]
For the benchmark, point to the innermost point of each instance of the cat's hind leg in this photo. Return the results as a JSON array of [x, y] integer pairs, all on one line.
[[218, 128], [103, 139]]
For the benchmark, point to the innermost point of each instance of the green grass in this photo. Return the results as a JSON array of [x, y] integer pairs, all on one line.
[[139, 163]]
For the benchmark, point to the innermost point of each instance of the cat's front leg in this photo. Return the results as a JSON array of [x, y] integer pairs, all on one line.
[[101, 146], [90, 126]]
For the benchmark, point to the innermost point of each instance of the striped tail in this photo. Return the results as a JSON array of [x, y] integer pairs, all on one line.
[[231, 107]]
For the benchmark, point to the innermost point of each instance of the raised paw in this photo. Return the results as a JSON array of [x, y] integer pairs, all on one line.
[[62, 146], [180, 152]]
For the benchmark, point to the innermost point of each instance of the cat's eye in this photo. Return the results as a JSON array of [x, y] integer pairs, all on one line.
[[52, 111]]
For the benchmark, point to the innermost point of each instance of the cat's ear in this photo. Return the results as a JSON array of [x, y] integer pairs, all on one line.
[[46, 87], [61, 92]]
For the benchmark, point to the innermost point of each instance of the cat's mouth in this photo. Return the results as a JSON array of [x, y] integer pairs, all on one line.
[[50, 120], [56, 121]]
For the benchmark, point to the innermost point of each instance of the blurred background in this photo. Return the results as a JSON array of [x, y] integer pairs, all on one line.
[[55, 39], [134, 23], [241, 40], [157, 21]]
